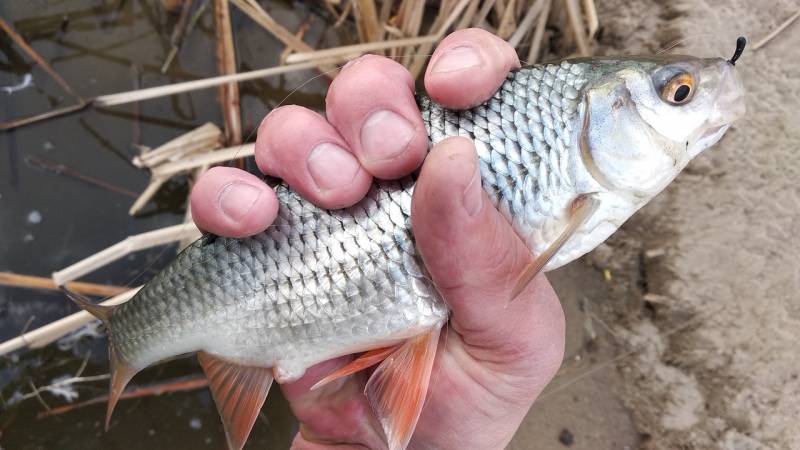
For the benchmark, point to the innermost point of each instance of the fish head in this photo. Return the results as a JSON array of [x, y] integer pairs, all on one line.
[[644, 119]]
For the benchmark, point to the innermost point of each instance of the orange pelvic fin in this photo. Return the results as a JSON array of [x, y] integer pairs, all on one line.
[[397, 389], [364, 361], [239, 392], [582, 209]]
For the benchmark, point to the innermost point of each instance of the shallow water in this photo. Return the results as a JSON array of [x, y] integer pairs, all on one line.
[[50, 220]]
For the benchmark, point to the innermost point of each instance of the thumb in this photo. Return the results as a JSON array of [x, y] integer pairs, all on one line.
[[474, 257]]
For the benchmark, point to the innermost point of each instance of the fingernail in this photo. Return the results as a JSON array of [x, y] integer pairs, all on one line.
[[457, 58], [473, 194], [385, 134], [331, 166], [237, 199]]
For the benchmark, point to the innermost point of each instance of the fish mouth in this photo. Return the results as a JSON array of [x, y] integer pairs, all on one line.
[[709, 138]]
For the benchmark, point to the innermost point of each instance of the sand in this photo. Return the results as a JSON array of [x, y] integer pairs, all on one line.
[[702, 307]]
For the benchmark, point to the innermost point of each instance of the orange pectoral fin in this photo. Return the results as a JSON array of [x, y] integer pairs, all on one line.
[[364, 361], [397, 389], [239, 392]]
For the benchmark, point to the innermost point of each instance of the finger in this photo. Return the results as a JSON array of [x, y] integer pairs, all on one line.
[[299, 146], [474, 257], [233, 203], [371, 103], [336, 413], [468, 67]]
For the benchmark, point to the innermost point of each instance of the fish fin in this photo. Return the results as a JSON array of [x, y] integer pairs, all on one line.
[[121, 370], [365, 360], [239, 392], [582, 208], [396, 390], [99, 311], [121, 374]]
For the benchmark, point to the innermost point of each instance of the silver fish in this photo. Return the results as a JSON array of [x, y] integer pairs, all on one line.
[[568, 151]]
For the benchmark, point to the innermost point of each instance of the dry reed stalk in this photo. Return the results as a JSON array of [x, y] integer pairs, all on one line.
[[483, 13], [329, 5], [345, 13], [123, 248], [46, 334], [538, 34], [499, 8], [176, 39], [63, 169], [34, 282], [148, 193], [171, 5], [424, 50], [576, 22], [369, 28], [205, 137], [526, 23], [261, 17], [776, 31], [301, 32], [591, 17], [226, 63], [508, 21], [409, 18], [19, 40], [386, 11], [136, 392], [187, 216], [349, 51], [163, 91], [188, 86], [210, 158], [469, 15], [44, 116]]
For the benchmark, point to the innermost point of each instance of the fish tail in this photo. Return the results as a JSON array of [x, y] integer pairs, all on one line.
[[121, 370]]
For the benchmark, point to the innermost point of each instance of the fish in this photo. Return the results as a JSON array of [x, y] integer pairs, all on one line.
[[568, 151]]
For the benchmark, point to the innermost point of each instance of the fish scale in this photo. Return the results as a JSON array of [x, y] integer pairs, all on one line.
[[320, 283]]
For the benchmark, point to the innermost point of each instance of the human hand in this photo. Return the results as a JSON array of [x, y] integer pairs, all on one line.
[[496, 357]]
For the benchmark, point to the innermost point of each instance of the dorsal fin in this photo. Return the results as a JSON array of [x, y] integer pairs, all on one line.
[[239, 393], [397, 389], [364, 361]]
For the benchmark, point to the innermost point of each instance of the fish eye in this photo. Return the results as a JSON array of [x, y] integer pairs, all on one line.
[[679, 89]]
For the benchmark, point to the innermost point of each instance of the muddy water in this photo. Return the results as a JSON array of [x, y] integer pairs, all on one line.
[[50, 220]]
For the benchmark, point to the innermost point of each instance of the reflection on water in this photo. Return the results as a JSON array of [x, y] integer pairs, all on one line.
[[50, 218]]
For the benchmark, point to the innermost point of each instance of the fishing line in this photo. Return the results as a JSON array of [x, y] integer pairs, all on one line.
[[682, 40]]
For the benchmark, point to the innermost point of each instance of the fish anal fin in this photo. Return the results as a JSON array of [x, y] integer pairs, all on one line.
[[121, 374], [396, 390], [239, 392], [364, 361], [582, 208]]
